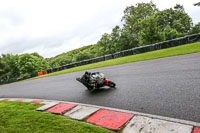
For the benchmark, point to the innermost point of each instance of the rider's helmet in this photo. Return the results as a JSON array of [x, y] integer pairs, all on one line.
[[87, 74]]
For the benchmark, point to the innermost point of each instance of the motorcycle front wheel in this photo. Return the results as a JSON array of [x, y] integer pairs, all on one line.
[[111, 84]]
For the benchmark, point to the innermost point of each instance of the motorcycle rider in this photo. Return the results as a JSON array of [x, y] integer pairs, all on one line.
[[95, 80], [88, 81]]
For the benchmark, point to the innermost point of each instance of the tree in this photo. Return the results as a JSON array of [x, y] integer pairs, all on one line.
[[30, 64], [81, 56], [125, 41], [175, 19], [132, 17], [197, 4], [114, 44], [37, 55], [103, 45], [142, 24], [64, 61], [179, 7], [149, 32], [8, 67], [195, 29], [170, 33]]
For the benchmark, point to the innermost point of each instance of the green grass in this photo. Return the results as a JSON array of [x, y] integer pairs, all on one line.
[[20, 117], [174, 51]]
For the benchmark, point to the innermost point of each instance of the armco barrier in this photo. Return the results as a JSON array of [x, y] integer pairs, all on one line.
[[12, 80], [88, 61], [71, 65], [118, 54], [98, 59], [184, 40], [137, 50], [55, 69], [26, 77], [81, 63], [49, 70], [85, 62], [34, 75], [127, 52], [142, 49], [65, 66], [108, 57], [194, 38], [61, 68]]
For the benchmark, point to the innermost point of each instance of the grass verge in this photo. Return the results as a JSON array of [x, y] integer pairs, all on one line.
[[174, 51], [20, 117]]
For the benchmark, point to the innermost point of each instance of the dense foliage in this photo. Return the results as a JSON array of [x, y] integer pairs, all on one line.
[[143, 24], [13, 66], [197, 4]]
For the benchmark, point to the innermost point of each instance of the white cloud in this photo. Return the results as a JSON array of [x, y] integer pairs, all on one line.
[[51, 27]]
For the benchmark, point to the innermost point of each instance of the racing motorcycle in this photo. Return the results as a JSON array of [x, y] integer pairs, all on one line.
[[96, 81]]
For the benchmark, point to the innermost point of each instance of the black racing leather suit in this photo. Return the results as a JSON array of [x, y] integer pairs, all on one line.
[[88, 82]]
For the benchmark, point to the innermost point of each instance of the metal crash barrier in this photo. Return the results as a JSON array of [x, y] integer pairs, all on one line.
[[160, 45]]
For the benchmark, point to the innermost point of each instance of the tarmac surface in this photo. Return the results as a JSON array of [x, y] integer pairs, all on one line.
[[167, 87]]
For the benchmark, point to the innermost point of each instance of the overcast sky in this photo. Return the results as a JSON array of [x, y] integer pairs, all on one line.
[[52, 27]]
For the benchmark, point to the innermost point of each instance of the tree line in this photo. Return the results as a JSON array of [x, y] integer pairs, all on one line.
[[14, 66], [143, 24]]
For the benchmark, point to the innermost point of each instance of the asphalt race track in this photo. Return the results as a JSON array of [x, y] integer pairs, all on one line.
[[168, 87]]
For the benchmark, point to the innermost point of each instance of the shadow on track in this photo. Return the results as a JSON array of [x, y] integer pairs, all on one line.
[[101, 91]]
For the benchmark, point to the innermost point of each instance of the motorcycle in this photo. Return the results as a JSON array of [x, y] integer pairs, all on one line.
[[97, 80]]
